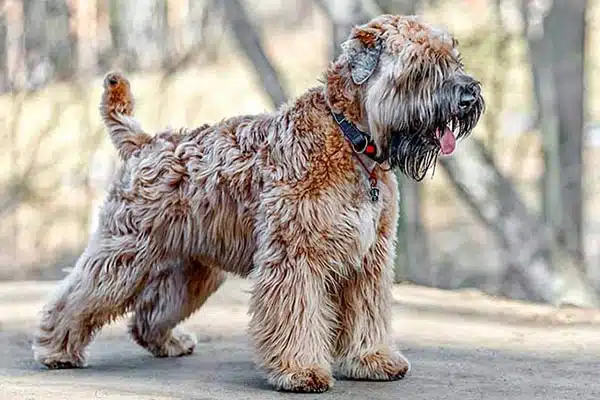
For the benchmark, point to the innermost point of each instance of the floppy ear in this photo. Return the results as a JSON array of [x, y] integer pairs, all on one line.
[[362, 59]]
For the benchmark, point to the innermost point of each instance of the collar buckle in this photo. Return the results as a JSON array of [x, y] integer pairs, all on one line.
[[359, 140], [364, 147]]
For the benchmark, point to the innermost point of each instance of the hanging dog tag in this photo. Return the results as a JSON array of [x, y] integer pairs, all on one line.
[[374, 192]]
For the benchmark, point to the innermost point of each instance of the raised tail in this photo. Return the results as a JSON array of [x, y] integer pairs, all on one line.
[[116, 110]]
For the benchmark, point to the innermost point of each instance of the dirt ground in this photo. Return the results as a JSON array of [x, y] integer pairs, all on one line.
[[463, 345]]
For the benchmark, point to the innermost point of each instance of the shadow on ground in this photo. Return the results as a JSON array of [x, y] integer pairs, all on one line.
[[224, 370], [462, 346]]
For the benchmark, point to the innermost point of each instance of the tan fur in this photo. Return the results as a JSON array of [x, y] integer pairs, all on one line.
[[277, 197]]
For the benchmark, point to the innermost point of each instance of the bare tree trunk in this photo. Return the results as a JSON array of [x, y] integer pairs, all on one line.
[[412, 250], [250, 43], [556, 51], [49, 45], [343, 14], [62, 43], [3, 52], [87, 33], [493, 198], [205, 27], [299, 11], [139, 30], [37, 62], [565, 25], [540, 60], [197, 20], [406, 7]]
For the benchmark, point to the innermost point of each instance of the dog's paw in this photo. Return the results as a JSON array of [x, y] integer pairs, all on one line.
[[377, 365], [180, 343], [303, 380], [58, 360]]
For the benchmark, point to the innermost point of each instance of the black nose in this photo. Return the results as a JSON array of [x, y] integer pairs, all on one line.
[[467, 98]]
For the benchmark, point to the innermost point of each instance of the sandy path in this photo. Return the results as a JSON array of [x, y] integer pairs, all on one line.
[[463, 345]]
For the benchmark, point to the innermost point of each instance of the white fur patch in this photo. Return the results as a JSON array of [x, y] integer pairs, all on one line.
[[130, 123], [367, 232]]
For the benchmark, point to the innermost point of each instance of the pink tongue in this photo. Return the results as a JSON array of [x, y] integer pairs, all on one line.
[[447, 141]]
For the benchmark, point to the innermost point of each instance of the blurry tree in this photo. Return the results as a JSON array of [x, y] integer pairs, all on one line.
[[299, 11], [197, 21], [555, 33], [495, 40], [343, 14], [566, 26], [250, 43], [406, 7], [139, 30], [86, 26], [526, 238], [3, 51], [205, 26], [48, 56], [496, 202]]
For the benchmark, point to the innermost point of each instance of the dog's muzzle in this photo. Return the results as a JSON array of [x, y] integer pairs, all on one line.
[[469, 95]]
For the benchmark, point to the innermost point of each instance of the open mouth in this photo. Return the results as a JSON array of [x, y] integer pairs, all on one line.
[[415, 150], [447, 138]]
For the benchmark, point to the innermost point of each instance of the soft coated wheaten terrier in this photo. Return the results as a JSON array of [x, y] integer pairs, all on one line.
[[301, 200]]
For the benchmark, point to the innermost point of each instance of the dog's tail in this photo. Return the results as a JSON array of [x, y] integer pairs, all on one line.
[[116, 109]]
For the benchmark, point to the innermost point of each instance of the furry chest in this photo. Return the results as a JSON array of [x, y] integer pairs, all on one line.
[[366, 227], [370, 210]]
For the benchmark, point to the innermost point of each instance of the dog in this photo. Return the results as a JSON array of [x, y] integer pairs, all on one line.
[[303, 201]]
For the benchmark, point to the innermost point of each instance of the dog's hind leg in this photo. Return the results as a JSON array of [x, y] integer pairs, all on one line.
[[101, 287], [171, 295]]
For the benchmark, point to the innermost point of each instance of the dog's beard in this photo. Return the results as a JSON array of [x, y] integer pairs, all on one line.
[[415, 150], [412, 154], [412, 127]]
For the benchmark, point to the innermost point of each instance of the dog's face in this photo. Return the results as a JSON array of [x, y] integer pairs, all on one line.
[[416, 98]]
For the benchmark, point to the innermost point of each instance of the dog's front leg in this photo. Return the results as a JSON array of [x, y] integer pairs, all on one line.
[[292, 314], [363, 346]]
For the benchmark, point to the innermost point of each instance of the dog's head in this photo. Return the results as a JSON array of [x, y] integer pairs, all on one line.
[[403, 82]]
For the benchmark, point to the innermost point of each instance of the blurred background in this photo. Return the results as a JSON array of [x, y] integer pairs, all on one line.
[[514, 212]]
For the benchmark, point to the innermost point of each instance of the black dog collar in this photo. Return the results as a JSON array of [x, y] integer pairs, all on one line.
[[360, 141]]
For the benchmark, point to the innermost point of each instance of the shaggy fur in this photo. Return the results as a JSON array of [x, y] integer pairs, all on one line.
[[280, 198]]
